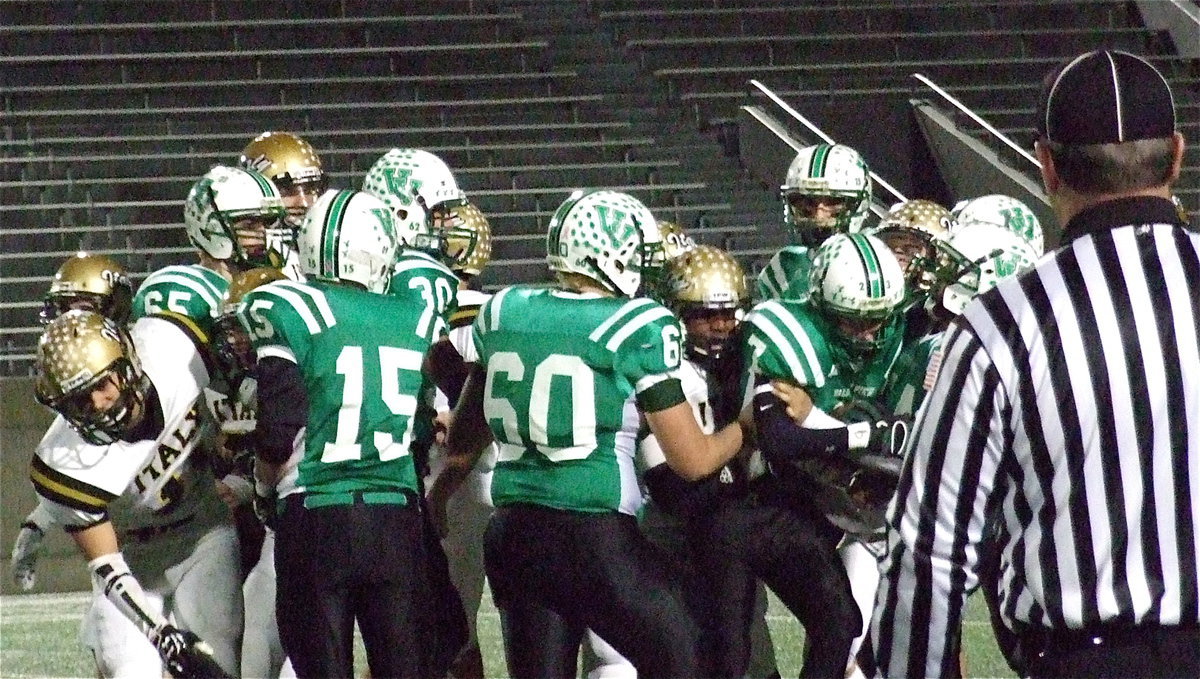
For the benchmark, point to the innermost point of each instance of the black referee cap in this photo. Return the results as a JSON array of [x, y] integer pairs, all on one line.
[[1105, 97]]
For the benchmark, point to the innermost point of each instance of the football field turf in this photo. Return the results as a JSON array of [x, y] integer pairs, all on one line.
[[39, 638]]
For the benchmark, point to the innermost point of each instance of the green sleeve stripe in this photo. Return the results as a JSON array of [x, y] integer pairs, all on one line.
[[300, 304], [317, 300], [206, 291], [803, 339], [776, 339], [65, 490], [630, 308], [640, 321], [491, 321], [663, 394]]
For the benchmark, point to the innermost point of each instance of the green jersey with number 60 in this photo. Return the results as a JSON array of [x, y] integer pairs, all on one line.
[[789, 341], [567, 374], [190, 290], [360, 356]]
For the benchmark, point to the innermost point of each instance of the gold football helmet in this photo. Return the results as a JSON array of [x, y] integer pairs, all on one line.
[[89, 281], [292, 164], [916, 231], [706, 288], [231, 343], [467, 244], [89, 373], [675, 241]]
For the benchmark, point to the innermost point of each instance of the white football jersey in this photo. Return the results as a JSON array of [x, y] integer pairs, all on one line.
[[157, 487]]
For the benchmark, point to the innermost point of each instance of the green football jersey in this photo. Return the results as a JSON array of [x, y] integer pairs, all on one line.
[[567, 374], [360, 356], [786, 275], [910, 379], [190, 290], [789, 340], [419, 274]]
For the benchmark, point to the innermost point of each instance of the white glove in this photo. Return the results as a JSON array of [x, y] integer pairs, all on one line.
[[27, 546]]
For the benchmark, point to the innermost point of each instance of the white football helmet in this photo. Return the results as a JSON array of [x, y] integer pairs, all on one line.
[[608, 236], [983, 254], [1004, 211], [856, 278], [221, 198], [349, 236], [825, 171], [414, 180]]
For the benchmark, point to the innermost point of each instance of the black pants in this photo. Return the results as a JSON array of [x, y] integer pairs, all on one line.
[[345, 563], [554, 574], [1113, 652], [791, 548]]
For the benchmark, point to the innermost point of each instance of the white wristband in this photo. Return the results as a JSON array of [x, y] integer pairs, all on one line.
[[116, 582], [859, 435]]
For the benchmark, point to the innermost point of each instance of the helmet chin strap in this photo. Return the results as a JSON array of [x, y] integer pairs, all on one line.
[[604, 278]]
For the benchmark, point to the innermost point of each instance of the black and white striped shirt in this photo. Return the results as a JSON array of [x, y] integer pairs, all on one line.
[[1065, 424]]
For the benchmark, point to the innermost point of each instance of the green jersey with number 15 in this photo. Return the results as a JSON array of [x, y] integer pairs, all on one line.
[[567, 374], [360, 356]]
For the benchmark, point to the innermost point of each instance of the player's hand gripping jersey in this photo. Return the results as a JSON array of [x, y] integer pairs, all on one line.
[[161, 485], [564, 411], [363, 385]]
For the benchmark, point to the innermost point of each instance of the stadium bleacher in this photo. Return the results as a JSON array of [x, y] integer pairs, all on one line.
[[111, 110]]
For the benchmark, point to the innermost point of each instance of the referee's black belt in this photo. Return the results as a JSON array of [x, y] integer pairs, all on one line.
[[1037, 641], [149, 532], [403, 497]]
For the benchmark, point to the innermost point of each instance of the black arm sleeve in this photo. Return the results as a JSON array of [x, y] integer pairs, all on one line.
[[782, 440], [282, 408]]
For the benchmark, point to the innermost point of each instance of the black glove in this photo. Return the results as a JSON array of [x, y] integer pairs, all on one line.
[[185, 655]]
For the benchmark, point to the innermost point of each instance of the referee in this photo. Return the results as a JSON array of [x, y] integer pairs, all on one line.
[[1064, 422]]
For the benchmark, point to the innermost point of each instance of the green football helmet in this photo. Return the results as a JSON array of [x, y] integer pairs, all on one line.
[[829, 175], [857, 285], [349, 236], [1004, 211]]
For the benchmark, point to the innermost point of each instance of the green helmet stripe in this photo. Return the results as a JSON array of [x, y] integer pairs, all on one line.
[[820, 158], [264, 184], [870, 264], [332, 232]]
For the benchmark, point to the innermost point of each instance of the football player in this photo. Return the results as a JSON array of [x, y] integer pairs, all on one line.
[[565, 375], [89, 282], [339, 382], [262, 652], [228, 214], [915, 231], [123, 469], [838, 349], [292, 165], [706, 289], [827, 190]]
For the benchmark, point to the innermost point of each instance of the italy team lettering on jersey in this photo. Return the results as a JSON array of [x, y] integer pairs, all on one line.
[[564, 410], [158, 484], [190, 290], [363, 378], [787, 340]]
